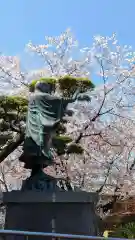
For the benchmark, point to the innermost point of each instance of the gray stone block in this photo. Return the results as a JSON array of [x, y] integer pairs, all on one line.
[[61, 212]]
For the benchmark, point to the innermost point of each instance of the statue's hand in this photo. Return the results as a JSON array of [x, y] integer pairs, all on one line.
[[84, 97]]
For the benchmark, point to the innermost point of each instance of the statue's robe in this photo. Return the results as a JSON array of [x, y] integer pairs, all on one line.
[[45, 112]]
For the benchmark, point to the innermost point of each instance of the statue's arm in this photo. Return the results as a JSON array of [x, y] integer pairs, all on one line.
[[77, 96]]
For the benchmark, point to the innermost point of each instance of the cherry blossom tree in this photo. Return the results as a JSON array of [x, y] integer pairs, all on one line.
[[105, 125]]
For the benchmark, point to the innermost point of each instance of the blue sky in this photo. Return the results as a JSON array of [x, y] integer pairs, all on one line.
[[21, 21]]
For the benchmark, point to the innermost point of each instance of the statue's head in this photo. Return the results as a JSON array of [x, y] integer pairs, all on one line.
[[44, 87]]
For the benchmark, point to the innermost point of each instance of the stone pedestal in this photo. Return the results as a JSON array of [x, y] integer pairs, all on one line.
[[61, 212]]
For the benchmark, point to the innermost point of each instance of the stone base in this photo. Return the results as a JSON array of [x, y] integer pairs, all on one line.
[[62, 212]]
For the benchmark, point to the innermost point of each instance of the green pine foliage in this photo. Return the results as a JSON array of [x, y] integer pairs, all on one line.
[[68, 85], [13, 109]]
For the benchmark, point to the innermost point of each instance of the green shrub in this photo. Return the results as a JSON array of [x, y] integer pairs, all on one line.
[[125, 231]]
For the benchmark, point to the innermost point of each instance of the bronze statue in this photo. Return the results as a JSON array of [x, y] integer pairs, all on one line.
[[45, 112]]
